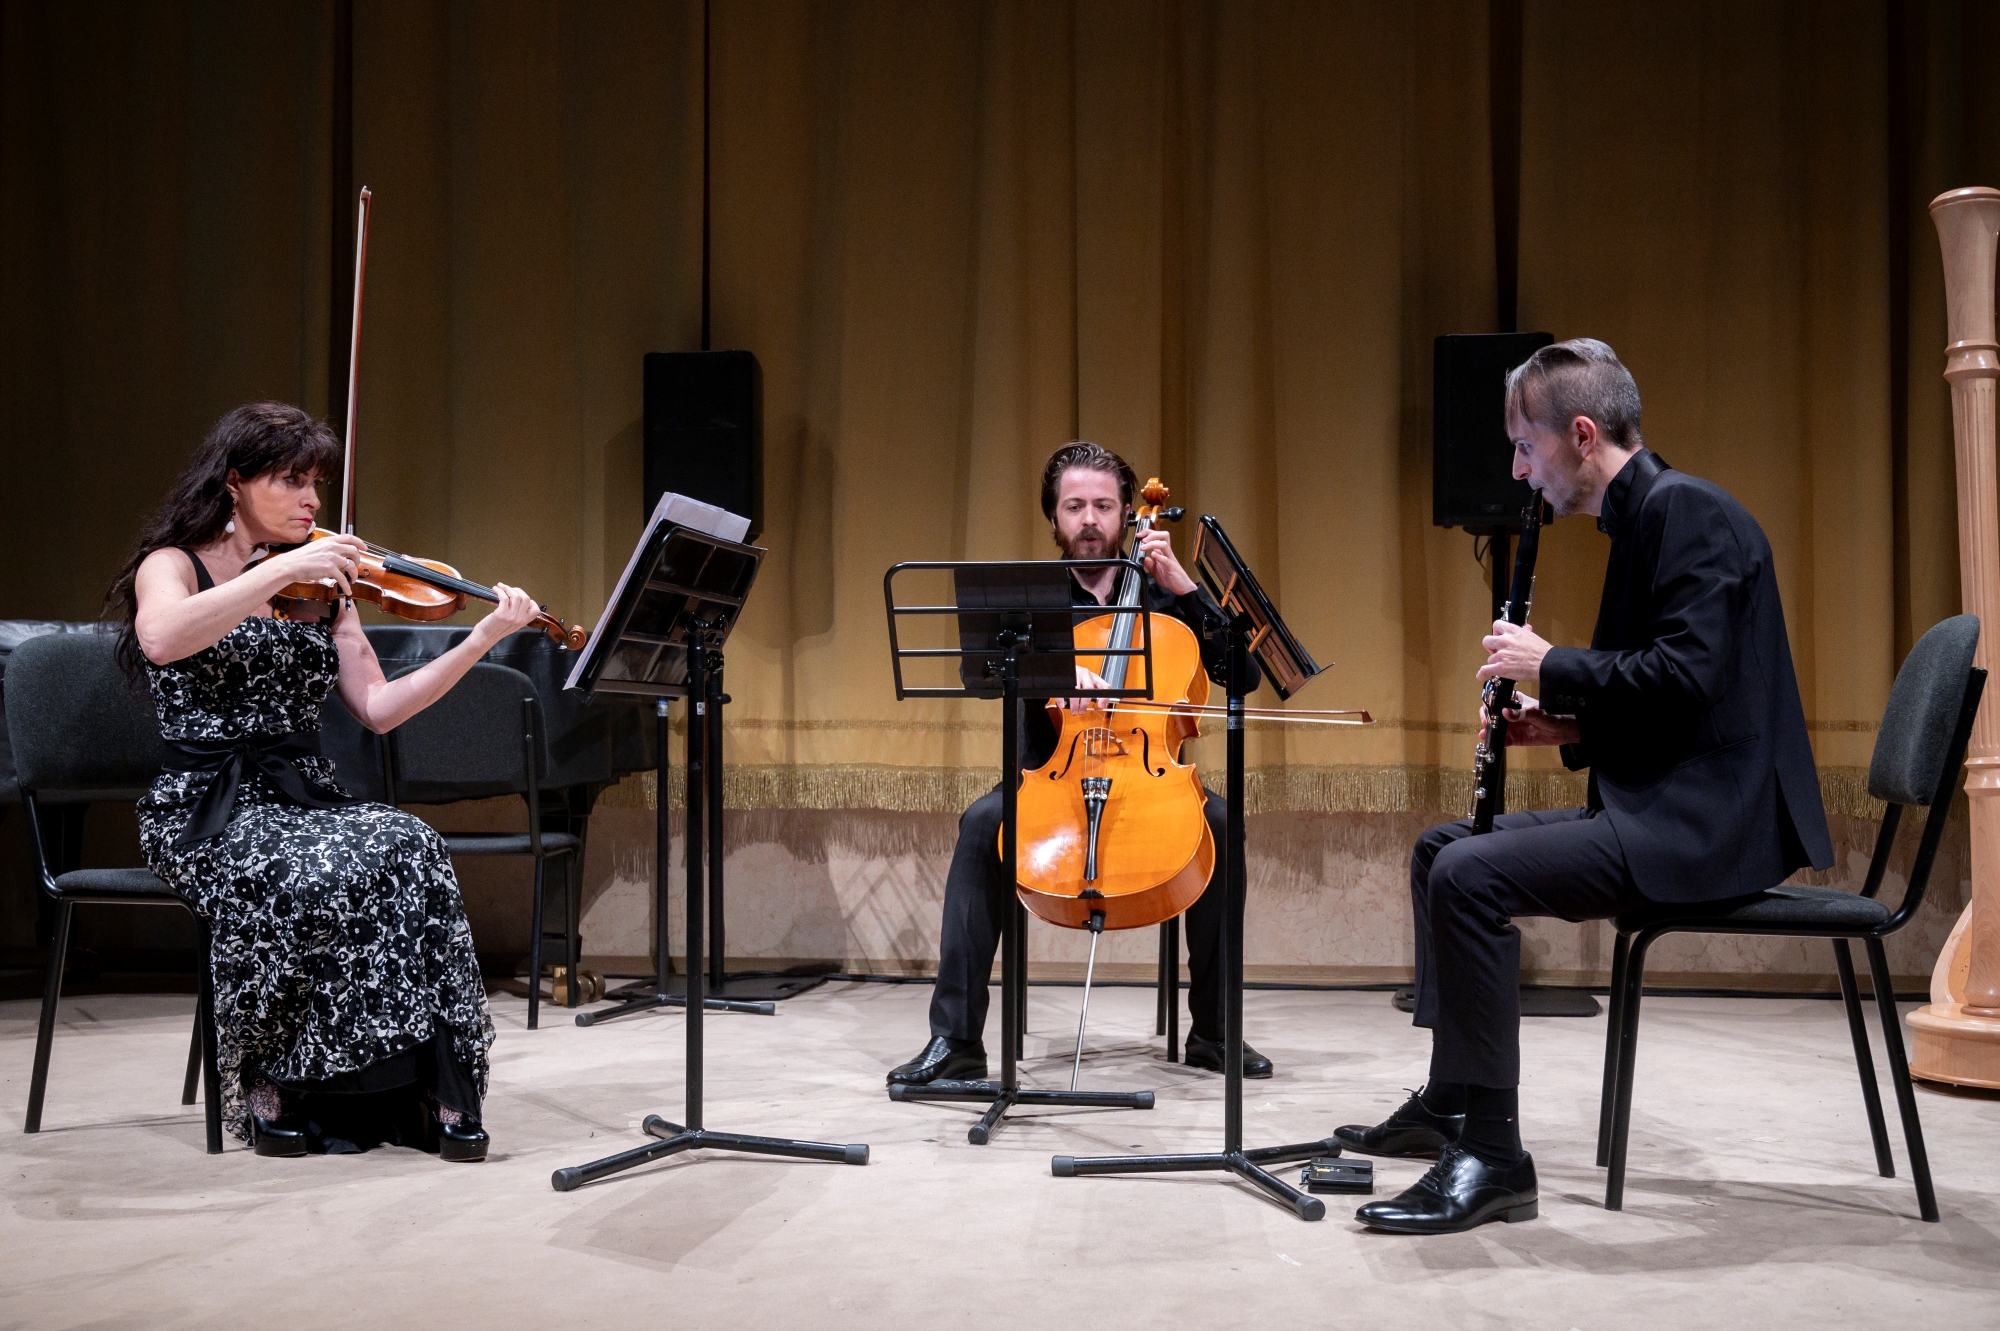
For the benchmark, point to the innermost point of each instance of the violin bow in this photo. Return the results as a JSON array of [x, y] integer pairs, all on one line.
[[354, 368]]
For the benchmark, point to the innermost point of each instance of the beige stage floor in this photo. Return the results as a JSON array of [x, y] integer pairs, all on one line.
[[1752, 1200]]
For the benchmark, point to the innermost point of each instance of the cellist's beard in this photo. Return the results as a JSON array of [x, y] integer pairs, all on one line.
[[1090, 543]]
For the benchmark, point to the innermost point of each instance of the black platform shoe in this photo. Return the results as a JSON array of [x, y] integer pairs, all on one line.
[[943, 1059], [1207, 1054], [464, 1141], [281, 1136], [1459, 1192], [1412, 1131]]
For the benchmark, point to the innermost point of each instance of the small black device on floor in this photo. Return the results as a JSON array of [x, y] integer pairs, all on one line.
[[1327, 1173]]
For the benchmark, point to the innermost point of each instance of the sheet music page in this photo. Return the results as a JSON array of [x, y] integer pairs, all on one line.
[[673, 510]]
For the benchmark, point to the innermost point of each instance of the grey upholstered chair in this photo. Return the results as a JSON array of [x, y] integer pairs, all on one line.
[[1916, 762], [80, 734], [482, 739], [360, 757]]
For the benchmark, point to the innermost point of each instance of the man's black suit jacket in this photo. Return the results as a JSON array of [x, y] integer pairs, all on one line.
[[1690, 716]]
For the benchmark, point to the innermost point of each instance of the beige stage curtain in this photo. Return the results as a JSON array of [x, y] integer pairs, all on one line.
[[1216, 237]]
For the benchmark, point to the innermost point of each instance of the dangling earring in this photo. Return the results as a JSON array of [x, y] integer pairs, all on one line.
[[229, 526]]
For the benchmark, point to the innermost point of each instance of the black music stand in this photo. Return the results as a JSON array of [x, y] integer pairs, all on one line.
[[1014, 629], [1253, 625], [679, 576], [661, 638]]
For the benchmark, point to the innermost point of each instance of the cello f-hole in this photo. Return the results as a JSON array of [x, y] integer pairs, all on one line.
[[1068, 758]]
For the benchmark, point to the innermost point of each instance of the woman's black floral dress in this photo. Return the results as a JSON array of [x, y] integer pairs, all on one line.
[[340, 942]]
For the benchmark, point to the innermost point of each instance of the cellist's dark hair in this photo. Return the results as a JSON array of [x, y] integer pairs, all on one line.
[[1092, 457], [255, 438]]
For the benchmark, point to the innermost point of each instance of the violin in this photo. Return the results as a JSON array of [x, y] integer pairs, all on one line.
[[410, 588], [422, 590], [1112, 831]]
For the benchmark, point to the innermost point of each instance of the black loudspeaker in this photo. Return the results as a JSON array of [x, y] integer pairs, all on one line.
[[704, 432], [1472, 460]]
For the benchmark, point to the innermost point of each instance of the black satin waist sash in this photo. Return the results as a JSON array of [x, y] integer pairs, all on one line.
[[274, 757]]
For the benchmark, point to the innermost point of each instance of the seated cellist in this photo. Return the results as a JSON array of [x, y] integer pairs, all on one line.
[[1087, 494]]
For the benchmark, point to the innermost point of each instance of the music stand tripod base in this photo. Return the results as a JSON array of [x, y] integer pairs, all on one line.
[[1004, 1098], [1244, 1164], [646, 997], [674, 1139]]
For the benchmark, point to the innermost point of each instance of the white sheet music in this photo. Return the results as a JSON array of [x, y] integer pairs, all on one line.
[[673, 510]]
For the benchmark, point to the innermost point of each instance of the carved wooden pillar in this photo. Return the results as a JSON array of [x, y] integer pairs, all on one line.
[[1956, 1038]]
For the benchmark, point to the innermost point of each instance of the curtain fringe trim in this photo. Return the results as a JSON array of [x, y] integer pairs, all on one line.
[[1358, 788]]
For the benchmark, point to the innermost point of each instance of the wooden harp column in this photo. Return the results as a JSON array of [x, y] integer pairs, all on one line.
[[1956, 1037]]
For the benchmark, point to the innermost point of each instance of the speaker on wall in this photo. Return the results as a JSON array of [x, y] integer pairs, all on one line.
[[1472, 460], [704, 430]]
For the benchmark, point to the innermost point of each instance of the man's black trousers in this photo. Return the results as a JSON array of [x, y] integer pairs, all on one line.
[[1466, 892], [976, 901]]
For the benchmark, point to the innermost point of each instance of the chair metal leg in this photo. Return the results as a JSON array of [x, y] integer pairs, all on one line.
[[194, 1055], [1172, 929], [1020, 915], [46, 1031], [1613, 1024], [1899, 1071], [1628, 1048], [573, 918], [1857, 1028], [535, 949], [1160, 986], [211, 1075]]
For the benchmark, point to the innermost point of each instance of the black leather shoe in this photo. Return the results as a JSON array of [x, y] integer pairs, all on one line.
[[277, 1136], [943, 1059], [1459, 1192], [1207, 1054], [464, 1141], [1411, 1131]]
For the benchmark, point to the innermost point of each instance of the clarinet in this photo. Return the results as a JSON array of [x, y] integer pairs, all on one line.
[[1489, 756]]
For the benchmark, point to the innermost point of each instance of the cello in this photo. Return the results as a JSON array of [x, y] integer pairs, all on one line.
[[1111, 829]]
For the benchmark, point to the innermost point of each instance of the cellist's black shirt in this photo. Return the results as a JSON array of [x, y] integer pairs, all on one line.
[[1197, 610]]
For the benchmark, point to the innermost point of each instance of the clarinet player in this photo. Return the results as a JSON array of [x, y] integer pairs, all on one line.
[[1686, 713]]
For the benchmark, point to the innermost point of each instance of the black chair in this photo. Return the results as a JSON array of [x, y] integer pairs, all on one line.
[[81, 735], [483, 739], [1917, 756]]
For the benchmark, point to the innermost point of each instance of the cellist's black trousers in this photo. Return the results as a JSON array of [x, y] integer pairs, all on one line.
[[976, 900], [1465, 894]]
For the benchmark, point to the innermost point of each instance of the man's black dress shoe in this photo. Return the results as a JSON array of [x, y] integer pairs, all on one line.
[[1411, 1131], [1207, 1054], [1459, 1192], [277, 1136], [943, 1059]]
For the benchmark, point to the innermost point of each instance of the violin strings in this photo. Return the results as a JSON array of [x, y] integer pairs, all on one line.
[[410, 568]]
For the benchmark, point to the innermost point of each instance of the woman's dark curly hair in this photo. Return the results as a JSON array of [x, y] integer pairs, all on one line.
[[251, 440]]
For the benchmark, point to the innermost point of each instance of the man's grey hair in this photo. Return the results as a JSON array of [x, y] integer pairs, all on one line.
[[1580, 377]]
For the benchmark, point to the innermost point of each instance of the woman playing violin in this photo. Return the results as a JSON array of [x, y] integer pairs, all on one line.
[[348, 1001]]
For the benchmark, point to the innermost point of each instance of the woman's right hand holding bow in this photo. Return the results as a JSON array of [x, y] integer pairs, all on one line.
[[332, 558]]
